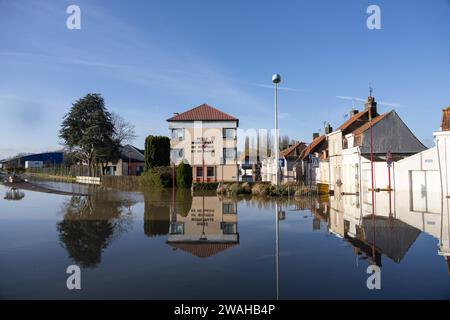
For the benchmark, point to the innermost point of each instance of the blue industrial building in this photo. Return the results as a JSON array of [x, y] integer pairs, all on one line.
[[48, 159]]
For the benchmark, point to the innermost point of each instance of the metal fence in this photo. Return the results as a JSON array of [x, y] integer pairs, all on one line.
[[67, 171]]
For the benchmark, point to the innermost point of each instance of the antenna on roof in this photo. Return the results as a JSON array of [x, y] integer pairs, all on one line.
[[370, 89]]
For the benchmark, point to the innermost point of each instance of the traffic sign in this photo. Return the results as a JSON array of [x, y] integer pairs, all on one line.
[[314, 162], [389, 159]]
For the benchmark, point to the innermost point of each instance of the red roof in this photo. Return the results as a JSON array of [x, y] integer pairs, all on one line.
[[351, 120], [288, 151], [203, 250], [311, 147], [203, 112], [366, 125]]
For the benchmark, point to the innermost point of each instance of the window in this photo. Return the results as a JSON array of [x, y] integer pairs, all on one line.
[[178, 134], [199, 171], [229, 208], [229, 133], [177, 228], [228, 227], [210, 171], [229, 154], [176, 154]]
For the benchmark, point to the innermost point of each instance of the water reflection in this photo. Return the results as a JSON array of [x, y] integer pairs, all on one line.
[[91, 223], [156, 213], [205, 229], [14, 194], [399, 219]]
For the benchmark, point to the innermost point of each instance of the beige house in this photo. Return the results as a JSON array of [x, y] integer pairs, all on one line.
[[206, 138]]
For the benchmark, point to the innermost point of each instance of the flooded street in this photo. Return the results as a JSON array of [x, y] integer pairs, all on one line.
[[165, 245]]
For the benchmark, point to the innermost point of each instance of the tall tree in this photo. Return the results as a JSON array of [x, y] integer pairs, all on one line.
[[123, 130], [88, 131]]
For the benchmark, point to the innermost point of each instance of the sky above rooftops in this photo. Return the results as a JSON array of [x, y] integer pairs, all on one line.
[[152, 58]]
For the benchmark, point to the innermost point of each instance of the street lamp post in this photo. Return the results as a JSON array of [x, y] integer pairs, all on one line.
[[276, 79]]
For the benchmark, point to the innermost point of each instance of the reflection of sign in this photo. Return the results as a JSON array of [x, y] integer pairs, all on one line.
[[314, 162], [389, 159]]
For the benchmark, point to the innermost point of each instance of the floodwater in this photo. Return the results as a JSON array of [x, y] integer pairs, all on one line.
[[165, 245]]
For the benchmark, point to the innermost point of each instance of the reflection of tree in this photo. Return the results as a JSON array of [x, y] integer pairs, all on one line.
[[157, 213], [158, 206], [14, 194], [183, 202], [90, 224]]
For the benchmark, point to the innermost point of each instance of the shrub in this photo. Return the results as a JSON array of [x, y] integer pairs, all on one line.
[[157, 177], [207, 186], [184, 175], [157, 152], [234, 189], [262, 189], [246, 188]]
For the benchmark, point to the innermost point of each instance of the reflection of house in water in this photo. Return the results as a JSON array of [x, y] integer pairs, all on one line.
[[396, 227], [208, 228], [14, 194]]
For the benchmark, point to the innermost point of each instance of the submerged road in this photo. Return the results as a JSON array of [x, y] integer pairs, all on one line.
[[25, 185]]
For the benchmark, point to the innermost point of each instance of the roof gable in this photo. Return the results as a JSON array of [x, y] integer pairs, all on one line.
[[203, 112]]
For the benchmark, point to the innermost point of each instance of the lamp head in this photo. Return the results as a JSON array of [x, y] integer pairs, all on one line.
[[276, 78]]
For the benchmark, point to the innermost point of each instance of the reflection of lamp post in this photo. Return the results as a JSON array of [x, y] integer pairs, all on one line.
[[276, 79], [203, 235], [277, 248]]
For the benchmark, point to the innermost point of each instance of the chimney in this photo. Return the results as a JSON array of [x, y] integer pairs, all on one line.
[[315, 135], [176, 114], [371, 105], [328, 128], [445, 124], [352, 112]]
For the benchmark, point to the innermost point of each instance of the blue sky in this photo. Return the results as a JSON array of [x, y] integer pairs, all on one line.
[[152, 58]]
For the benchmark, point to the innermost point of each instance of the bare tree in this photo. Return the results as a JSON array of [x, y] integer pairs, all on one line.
[[124, 130]]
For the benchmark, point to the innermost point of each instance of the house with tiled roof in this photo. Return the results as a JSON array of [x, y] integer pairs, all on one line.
[[287, 163], [307, 163], [206, 138], [349, 148]]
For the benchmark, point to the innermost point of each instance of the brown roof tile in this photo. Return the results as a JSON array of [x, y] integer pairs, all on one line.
[[203, 112], [311, 147], [202, 250], [286, 152]]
